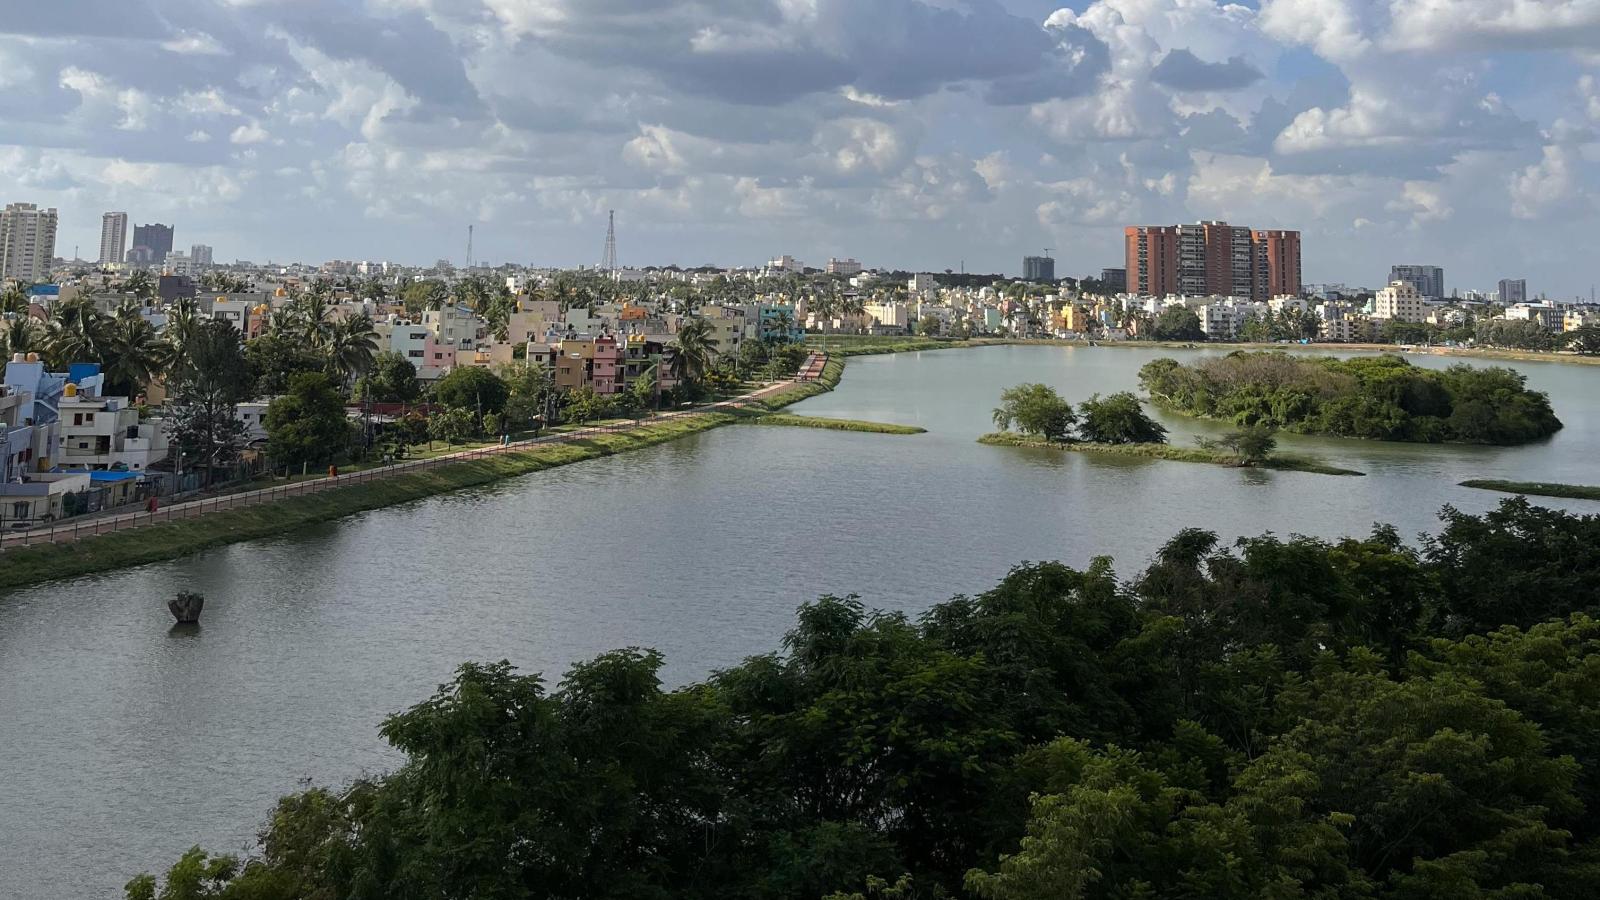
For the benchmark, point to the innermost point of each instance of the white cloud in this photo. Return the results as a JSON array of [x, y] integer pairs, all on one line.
[[249, 133], [193, 43], [1549, 187]]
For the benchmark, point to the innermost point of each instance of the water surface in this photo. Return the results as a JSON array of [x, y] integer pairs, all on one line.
[[123, 742]]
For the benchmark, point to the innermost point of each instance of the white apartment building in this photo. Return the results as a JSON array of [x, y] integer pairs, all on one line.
[[200, 256], [105, 432], [1400, 301], [113, 237], [1549, 316], [180, 263], [921, 283], [843, 267], [27, 242]]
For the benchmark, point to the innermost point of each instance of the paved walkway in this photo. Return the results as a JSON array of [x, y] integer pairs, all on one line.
[[107, 524]]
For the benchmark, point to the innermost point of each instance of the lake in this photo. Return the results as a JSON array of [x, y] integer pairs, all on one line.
[[123, 743]]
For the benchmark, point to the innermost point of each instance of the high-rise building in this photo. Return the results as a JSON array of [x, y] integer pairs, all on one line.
[[1277, 255], [1152, 254], [1513, 290], [113, 237], [27, 242], [200, 256], [843, 267], [155, 238], [1038, 268], [1428, 280], [1211, 258], [1401, 301], [1115, 280]]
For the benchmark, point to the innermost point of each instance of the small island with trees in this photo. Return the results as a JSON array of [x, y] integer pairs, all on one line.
[[1381, 398], [1118, 424]]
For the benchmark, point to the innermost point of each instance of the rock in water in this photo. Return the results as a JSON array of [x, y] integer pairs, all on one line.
[[186, 607]]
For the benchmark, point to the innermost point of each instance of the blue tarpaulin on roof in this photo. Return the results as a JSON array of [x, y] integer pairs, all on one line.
[[112, 476]]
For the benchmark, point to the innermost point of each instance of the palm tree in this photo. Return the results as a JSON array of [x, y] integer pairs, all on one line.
[[780, 325], [134, 354], [140, 284], [183, 323], [281, 322], [352, 346], [693, 356], [77, 332], [21, 335], [313, 317], [13, 300]]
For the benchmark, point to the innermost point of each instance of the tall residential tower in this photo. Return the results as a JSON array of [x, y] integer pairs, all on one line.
[[27, 242], [113, 237], [1211, 258]]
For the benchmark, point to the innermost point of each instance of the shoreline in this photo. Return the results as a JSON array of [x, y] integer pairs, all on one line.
[[1169, 453], [914, 344], [157, 542], [1535, 488]]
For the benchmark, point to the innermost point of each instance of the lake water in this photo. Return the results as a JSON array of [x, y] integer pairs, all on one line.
[[122, 743]]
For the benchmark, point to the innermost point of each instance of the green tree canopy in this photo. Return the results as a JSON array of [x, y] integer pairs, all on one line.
[[392, 379], [1118, 419], [307, 425], [1177, 323], [1035, 409], [474, 389]]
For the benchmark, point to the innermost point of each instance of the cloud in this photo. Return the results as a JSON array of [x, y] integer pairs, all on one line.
[[1183, 71], [249, 133]]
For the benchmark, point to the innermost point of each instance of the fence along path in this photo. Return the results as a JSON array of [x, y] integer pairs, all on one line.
[[72, 531]]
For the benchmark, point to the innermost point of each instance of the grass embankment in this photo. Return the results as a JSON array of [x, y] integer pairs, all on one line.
[[1169, 453], [152, 543], [832, 424], [1536, 488]]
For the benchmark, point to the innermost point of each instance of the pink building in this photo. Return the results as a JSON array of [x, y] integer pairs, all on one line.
[[607, 362]]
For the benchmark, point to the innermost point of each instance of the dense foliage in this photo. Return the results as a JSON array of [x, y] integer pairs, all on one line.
[[1383, 397], [306, 426], [1118, 419], [1288, 718], [1035, 409], [1177, 323]]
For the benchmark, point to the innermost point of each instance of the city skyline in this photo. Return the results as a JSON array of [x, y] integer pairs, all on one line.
[[1383, 132]]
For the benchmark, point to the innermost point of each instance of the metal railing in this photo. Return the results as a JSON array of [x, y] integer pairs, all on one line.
[[68, 532]]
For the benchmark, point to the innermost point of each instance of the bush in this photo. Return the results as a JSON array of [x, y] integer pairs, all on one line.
[[1118, 419], [1035, 409]]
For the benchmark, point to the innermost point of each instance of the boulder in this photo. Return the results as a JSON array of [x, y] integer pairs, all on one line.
[[186, 607]]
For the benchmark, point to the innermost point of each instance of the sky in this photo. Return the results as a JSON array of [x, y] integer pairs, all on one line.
[[911, 134]]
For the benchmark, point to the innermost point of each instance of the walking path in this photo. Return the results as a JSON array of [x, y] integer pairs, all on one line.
[[108, 524]]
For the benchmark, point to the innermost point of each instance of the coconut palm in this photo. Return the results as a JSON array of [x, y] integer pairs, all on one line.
[[781, 324], [134, 354], [281, 322], [313, 318], [692, 354], [77, 332], [352, 346], [183, 323], [13, 300], [21, 335], [140, 284]]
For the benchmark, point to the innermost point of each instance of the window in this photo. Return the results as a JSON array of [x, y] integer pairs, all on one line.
[[415, 353]]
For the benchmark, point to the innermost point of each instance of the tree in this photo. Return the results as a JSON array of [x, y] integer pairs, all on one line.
[[77, 332], [391, 379], [206, 387], [1118, 419], [308, 425], [275, 360], [532, 393], [453, 426], [1253, 444], [1177, 323], [21, 335], [1585, 340], [351, 344], [692, 354], [477, 390], [134, 353], [1035, 409]]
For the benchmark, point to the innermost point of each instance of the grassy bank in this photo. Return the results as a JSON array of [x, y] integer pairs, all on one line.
[[1536, 488], [833, 424], [152, 543], [1167, 452]]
